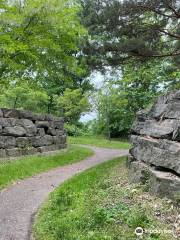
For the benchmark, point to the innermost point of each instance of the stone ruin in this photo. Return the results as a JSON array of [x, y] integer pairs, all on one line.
[[155, 156], [25, 133]]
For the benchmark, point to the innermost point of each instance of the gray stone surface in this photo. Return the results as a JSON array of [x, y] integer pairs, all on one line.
[[163, 153], [13, 152], [59, 124], [29, 151], [1, 113], [164, 184], [160, 183], [2, 153], [49, 148], [42, 124], [23, 132], [16, 131], [7, 142], [40, 132], [7, 122], [23, 142], [10, 113], [59, 139], [51, 131], [156, 146]]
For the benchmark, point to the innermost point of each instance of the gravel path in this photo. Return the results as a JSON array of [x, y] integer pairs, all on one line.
[[20, 202]]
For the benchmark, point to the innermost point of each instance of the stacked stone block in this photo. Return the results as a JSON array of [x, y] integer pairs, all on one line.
[[23, 133], [155, 155]]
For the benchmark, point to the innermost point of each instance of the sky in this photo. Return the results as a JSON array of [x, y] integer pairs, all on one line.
[[97, 79]]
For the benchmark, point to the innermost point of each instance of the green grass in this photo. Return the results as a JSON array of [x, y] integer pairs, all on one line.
[[100, 204], [99, 142], [15, 170]]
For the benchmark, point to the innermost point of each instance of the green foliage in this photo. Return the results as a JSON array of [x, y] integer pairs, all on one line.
[[100, 141], [131, 30], [23, 96], [74, 130], [40, 38], [73, 103], [137, 87], [40, 49], [12, 171]]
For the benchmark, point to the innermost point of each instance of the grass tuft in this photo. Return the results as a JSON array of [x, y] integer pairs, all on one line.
[[100, 142], [14, 170], [100, 204]]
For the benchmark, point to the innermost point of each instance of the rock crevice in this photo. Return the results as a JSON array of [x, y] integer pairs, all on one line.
[[155, 155], [25, 133]]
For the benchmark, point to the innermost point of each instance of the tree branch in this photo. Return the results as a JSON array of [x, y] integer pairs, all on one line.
[[156, 11], [172, 9], [169, 33]]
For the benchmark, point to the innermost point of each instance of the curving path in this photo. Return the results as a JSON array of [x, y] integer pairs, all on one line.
[[20, 202]]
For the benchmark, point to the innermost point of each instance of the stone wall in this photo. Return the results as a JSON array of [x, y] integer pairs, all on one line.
[[155, 156], [23, 132]]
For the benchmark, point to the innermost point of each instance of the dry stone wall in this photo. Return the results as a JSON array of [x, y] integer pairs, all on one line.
[[155, 155], [23, 133]]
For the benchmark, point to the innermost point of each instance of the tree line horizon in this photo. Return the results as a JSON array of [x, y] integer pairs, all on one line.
[[48, 50]]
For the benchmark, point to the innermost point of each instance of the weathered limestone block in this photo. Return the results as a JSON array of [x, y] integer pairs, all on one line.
[[42, 141], [28, 125], [48, 148], [27, 115], [60, 132], [10, 113], [49, 117], [173, 110], [157, 130], [163, 129], [165, 184], [158, 109], [59, 139], [138, 172], [29, 151], [155, 155], [51, 131], [23, 133], [16, 131], [59, 124], [42, 124], [13, 152], [7, 142], [23, 142], [40, 132], [160, 153], [1, 113], [2, 153], [7, 122]]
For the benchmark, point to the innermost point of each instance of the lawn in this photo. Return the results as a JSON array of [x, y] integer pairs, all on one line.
[[15, 170], [100, 204], [100, 142]]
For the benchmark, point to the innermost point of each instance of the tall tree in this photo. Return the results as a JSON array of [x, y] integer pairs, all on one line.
[[131, 29], [40, 41]]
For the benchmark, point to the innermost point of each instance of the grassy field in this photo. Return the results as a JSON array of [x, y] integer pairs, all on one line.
[[100, 204], [99, 142], [28, 166]]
